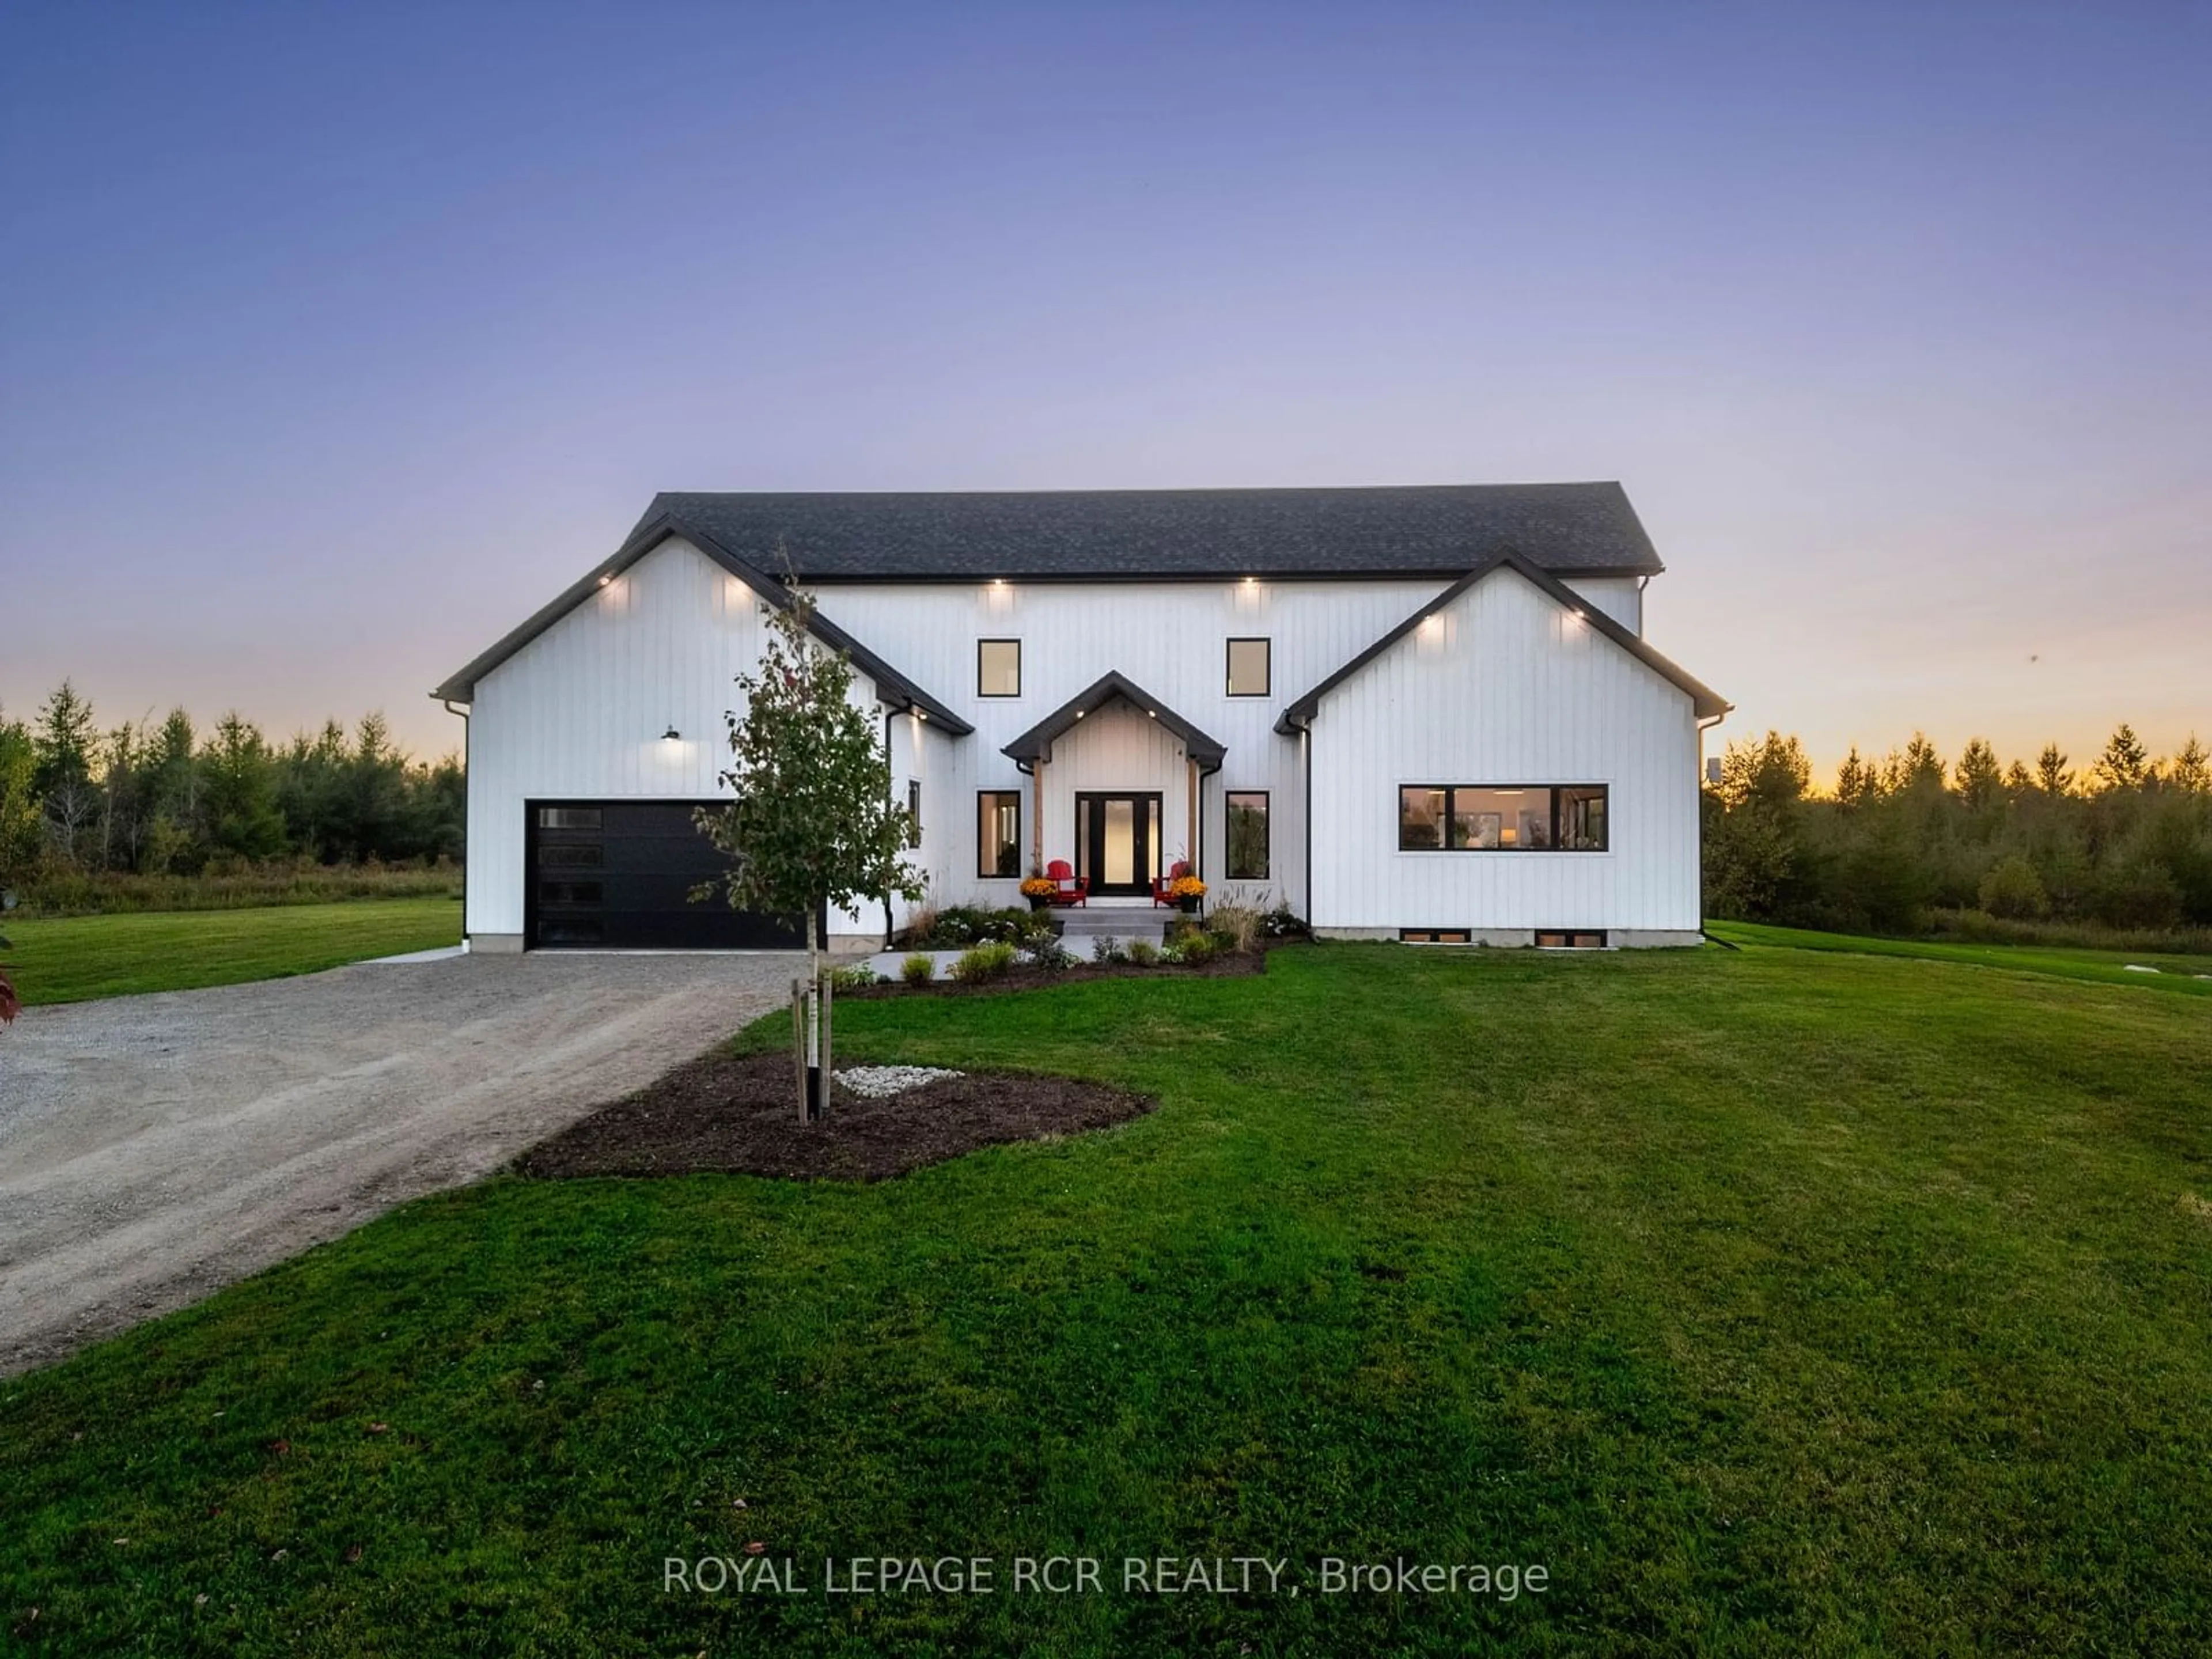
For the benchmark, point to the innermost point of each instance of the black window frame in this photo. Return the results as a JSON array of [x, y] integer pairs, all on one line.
[[1228, 799], [998, 696], [913, 814], [982, 796], [1228, 662], [1554, 793]]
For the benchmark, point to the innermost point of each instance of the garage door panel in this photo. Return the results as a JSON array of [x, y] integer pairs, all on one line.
[[619, 874]]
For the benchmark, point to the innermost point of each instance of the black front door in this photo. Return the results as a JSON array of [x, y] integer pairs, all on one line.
[[618, 874], [1117, 842]]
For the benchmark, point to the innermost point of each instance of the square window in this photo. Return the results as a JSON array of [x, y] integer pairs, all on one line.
[[1248, 668], [998, 668], [1247, 835], [999, 832]]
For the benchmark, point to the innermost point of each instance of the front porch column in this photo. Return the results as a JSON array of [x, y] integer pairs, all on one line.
[[1192, 842], [1037, 816]]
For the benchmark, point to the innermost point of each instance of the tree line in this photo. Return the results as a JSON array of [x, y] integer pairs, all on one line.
[[164, 799], [2125, 843]]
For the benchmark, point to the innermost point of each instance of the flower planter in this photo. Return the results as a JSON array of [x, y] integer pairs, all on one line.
[[1188, 905]]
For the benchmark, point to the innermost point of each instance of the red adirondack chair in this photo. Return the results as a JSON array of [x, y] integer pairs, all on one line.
[[1161, 883], [1073, 889]]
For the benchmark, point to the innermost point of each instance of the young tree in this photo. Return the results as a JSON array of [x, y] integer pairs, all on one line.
[[813, 824], [2125, 764]]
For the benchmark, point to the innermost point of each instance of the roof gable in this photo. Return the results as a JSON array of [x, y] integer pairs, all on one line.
[[1708, 703], [891, 686], [1036, 743]]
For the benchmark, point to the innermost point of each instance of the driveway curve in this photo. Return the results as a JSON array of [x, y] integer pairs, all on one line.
[[155, 1148]]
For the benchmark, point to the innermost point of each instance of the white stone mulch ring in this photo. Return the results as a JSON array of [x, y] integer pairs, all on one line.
[[878, 1081]]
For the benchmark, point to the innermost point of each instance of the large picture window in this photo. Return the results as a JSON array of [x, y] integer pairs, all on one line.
[[1467, 818], [998, 668], [1247, 835], [999, 832]]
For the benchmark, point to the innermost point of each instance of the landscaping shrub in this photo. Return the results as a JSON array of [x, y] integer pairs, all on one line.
[[1143, 952], [1109, 950], [1236, 927], [1195, 948], [962, 925], [1050, 954], [858, 977], [920, 968], [984, 963], [1283, 922]]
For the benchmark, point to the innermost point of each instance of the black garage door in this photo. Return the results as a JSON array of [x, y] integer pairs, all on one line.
[[618, 874]]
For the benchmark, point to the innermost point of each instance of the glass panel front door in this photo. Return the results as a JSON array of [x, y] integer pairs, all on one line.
[[1117, 842], [1119, 867]]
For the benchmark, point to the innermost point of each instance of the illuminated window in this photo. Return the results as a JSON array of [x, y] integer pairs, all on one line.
[[998, 668], [1248, 668], [1247, 835], [1464, 817], [999, 832]]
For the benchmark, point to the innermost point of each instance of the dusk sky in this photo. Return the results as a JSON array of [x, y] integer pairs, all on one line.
[[335, 340]]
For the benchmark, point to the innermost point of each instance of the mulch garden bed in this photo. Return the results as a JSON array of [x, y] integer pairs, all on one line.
[[741, 1116]]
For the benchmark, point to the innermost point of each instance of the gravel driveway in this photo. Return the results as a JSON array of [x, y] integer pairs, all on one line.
[[155, 1148]]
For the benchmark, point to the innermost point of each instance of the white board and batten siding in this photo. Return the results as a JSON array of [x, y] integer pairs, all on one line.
[[1170, 638], [1505, 687], [578, 714]]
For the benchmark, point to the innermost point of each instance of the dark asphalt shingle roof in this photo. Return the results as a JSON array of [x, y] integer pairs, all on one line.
[[1392, 529]]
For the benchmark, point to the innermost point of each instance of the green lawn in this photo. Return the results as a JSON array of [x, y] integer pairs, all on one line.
[[72, 957], [2191, 976], [1775, 1301]]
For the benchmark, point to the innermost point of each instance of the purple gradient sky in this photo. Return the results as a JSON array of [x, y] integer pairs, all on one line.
[[334, 341]]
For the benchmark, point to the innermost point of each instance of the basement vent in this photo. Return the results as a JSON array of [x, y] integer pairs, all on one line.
[[1434, 936], [1563, 939]]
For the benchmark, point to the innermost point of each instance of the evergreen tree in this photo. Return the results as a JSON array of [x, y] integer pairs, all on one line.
[[242, 792], [22, 814], [2188, 770], [2050, 774], [1977, 778], [1857, 783], [64, 743], [2125, 764]]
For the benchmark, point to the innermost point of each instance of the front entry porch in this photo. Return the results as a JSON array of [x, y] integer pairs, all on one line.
[[1114, 789]]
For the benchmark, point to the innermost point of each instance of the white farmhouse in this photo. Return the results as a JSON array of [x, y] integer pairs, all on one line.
[[1408, 713]]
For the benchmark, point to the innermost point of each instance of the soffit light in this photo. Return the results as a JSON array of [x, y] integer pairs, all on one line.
[[672, 735]]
